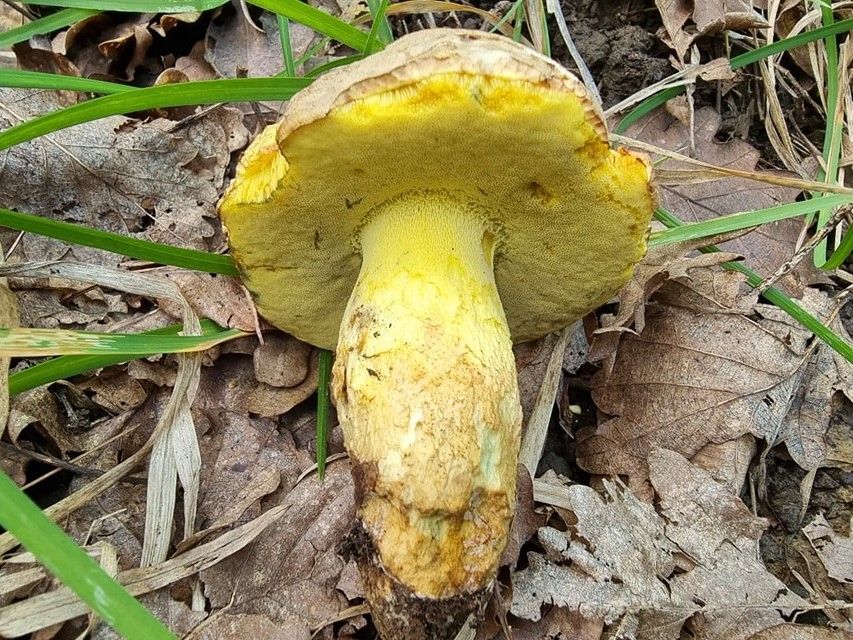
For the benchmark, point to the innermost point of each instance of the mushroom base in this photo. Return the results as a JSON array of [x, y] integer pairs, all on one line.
[[426, 391]]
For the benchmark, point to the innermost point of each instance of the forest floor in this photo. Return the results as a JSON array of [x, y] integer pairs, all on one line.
[[697, 474]]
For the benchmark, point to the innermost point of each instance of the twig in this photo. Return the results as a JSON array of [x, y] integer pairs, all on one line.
[[806, 249]]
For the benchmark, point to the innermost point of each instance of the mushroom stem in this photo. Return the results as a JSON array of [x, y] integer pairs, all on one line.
[[426, 391]]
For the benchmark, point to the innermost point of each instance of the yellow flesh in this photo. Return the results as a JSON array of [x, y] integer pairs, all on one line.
[[425, 386], [570, 214]]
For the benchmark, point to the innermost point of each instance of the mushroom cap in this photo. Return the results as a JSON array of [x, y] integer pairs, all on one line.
[[504, 131]]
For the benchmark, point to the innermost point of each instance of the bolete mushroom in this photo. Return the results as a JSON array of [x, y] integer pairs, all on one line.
[[419, 211]]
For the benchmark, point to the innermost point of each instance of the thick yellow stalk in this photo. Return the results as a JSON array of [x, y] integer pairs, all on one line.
[[425, 386]]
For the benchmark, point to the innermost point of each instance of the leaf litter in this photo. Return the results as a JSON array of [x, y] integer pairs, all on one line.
[[692, 565]]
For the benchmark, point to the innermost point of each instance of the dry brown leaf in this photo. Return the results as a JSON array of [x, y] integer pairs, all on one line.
[[727, 462], [243, 460], [791, 631], [179, 617], [220, 298], [118, 175], [674, 14], [619, 560], [557, 624], [525, 522], [61, 604], [290, 574], [834, 550], [716, 530], [282, 360], [709, 16], [667, 262], [693, 564], [50, 303], [766, 249], [231, 383], [225, 625], [725, 375], [236, 49], [713, 16], [194, 66], [10, 18], [826, 374], [702, 514], [32, 58], [115, 391]]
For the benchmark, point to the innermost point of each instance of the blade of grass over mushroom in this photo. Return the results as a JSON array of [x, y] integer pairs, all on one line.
[[74, 567], [64, 367], [737, 62], [47, 24], [511, 14], [40, 80], [374, 42], [114, 243], [136, 6], [743, 220], [171, 95], [25, 343], [773, 295], [321, 22], [378, 9], [324, 376]]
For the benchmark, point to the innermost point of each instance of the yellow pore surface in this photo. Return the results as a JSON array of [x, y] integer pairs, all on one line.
[[426, 391], [569, 214]]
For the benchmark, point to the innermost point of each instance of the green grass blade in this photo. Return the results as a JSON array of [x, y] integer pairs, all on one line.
[[39, 80], [311, 51], [64, 367], [786, 44], [774, 296], [27, 343], [324, 375], [518, 25], [332, 64], [511, 14], [114, 243], [48, 24], [840, 255], [744, 220], [374, 43], [286, 46], [653, 102], [171, 95], [383, 30], [315, 19], [74, 567], [136, 6], [834, 126], [647, 106]]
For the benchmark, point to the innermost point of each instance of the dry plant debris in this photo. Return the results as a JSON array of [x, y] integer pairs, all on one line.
[[727, 375], [691, 565], [765, 249], [695, 377]]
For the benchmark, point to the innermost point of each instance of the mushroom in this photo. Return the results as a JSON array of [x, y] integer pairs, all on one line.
[[419, 211]]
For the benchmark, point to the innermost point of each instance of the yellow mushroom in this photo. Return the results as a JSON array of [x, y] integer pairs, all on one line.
[[419, 211]]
